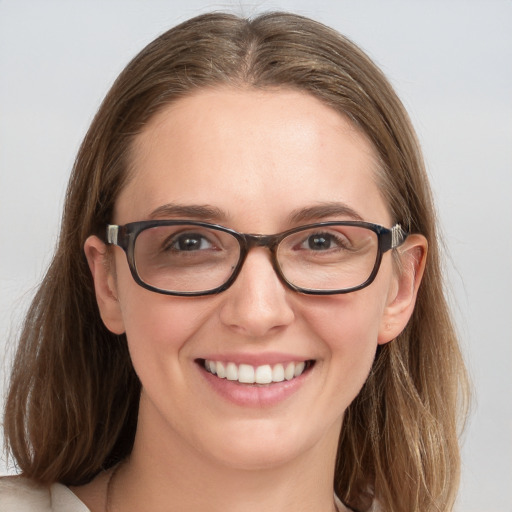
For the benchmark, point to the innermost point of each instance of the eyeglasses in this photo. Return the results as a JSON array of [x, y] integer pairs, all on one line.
[[189, 258]]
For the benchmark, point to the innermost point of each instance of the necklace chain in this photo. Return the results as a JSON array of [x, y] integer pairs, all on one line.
[[110, 487]]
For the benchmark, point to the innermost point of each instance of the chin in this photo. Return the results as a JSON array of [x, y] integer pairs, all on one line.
[[256, 458], [264, 447]]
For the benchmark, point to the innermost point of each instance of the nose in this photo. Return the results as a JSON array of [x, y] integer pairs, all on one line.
[[257, 303]]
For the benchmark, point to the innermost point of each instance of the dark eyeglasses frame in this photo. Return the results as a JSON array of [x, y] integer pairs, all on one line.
[[125, 236]]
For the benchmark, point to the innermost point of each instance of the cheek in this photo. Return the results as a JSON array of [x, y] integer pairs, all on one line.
[[158, 320], [346, 322], [158, 327], [348, 327]]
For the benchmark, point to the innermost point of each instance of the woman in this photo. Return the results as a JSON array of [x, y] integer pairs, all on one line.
[[233, 317]]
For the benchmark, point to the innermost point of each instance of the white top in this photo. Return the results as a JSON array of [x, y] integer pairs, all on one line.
[[19, 494]]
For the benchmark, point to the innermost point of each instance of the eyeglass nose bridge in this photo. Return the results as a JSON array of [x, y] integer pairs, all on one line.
[[252, 241]]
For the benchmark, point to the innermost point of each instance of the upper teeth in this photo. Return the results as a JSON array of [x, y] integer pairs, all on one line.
[[248, 374]]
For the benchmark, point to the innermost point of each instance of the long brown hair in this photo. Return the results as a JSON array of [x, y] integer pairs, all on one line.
[[73, 399]]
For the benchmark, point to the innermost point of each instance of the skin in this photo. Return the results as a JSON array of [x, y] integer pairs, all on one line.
[[257, 157]]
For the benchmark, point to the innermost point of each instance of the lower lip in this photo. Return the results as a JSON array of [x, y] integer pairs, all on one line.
[[254, 395]]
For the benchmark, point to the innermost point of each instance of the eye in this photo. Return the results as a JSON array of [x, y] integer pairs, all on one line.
[[324, 242], [189, 242]]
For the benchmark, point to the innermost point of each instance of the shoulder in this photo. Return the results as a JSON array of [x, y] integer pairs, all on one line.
[[19, 494]]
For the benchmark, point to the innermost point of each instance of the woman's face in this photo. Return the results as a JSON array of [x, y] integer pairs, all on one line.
[[257, 162]]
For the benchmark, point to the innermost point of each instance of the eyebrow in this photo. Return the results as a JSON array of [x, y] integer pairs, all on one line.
[[323, 211], [189, 211], [212, 213]]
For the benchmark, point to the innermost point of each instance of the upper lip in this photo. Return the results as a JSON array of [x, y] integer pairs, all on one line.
[[270, 358]]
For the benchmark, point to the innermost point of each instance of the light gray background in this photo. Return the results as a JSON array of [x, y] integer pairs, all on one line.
[[451, 63]]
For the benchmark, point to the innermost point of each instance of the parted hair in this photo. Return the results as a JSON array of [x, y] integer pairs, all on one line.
[[73, 398]]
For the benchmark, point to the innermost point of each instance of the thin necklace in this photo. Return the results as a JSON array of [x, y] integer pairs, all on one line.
[[110, 487]]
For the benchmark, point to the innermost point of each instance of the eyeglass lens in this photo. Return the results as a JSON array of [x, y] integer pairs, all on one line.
[[191, 258]]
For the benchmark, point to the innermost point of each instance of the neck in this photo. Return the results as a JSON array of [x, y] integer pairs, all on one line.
[[172, 476]]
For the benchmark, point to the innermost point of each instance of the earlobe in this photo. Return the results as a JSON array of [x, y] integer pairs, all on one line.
[[401, 302], [104, 284]]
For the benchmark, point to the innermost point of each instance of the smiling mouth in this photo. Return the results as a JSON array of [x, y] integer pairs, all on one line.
[[263, 374]]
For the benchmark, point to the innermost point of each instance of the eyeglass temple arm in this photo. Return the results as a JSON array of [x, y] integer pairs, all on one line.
[[398, 236], [112, 233]]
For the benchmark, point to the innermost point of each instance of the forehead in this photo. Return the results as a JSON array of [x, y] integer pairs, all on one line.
[[251, 153]]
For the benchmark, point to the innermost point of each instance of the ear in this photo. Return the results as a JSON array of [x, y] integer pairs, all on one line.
[[402, 298], [103, 275]]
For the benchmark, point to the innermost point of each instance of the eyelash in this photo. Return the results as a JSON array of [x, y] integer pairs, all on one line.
[[340, 241], [171, 241]]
